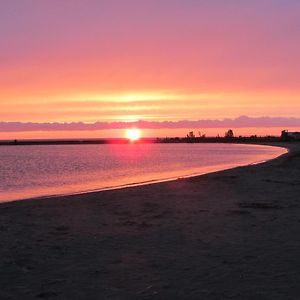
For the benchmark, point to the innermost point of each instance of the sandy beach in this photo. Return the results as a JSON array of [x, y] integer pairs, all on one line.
[[227, 235]]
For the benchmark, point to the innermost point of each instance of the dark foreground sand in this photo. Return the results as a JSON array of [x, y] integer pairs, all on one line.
[[228, 235]]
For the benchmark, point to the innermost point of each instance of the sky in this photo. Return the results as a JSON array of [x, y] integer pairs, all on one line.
[[156, 60]]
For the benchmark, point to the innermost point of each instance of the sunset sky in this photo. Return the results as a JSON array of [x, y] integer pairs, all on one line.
[[155, 60]]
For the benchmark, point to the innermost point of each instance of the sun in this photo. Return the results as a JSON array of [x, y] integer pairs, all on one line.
[[133, 134]]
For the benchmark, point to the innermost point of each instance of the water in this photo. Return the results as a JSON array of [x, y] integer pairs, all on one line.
[[34, 171]]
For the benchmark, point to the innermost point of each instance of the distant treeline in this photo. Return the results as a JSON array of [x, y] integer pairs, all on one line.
[[240, 139], [228, 138]]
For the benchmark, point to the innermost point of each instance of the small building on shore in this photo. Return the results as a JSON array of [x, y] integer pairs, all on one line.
[[285, 134]]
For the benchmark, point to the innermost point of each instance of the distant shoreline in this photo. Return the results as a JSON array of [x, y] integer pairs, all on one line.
[[239, 140]]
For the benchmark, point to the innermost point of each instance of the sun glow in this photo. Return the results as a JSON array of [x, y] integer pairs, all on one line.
[[133, 134]]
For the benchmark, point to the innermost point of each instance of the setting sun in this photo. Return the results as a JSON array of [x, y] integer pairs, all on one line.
[[133, 134]]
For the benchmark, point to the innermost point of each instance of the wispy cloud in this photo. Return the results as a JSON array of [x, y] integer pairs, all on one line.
[[240, 122]]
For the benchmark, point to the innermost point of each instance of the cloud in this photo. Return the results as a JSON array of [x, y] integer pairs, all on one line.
[[240, 122]]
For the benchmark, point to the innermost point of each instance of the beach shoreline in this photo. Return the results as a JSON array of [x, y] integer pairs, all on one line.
[[231, 234], [179, 175]]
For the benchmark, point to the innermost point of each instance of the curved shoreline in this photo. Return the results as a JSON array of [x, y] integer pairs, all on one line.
[[212, 169]]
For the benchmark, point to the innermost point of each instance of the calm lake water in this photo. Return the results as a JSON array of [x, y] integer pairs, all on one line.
[[34, 171]]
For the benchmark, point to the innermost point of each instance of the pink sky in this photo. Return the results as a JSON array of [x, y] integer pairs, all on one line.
[[90, 61]]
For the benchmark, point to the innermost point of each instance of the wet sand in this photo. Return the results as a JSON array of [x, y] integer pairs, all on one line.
[[233, 234]]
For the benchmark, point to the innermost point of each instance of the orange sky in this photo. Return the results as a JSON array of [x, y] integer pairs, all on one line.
[[158, 60]]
